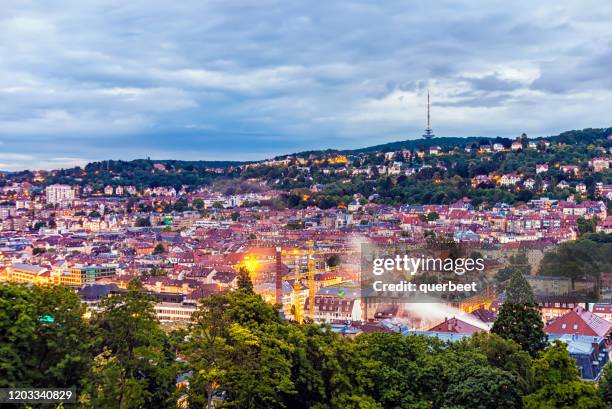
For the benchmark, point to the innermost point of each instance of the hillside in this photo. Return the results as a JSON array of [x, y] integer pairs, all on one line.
[[588, 135], [412, 173]]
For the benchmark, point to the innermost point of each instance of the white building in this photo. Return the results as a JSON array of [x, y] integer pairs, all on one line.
[[509, 179], [337, 303], [62, 195], [175, 311]]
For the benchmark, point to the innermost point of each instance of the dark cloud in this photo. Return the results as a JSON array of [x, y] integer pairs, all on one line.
[[243, 79], [493, 83], [582, 73]]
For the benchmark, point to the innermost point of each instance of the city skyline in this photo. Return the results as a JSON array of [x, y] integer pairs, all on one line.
[[292, 204], [209, 81]]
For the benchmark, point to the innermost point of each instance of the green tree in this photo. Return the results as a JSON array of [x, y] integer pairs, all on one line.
[[35, 352], [197, 204], [483, 387], [394, 369], [134, 365], [180, 205], [38, 250], [328, 371], [206, 350], [588, 256], [518, 290], [130, 204], [558, 384], [155, 272], [519, 318], [586, 225], [432, 216], [605, 385], [244, 279], [295, 225], [504, 354], [238, 345]]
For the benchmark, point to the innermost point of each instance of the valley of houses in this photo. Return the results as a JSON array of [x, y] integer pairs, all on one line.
[[97, 243]]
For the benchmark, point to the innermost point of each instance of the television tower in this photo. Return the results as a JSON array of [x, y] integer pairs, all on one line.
[[428, 131]]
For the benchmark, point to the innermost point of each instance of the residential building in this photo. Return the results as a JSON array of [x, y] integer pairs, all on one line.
[[61, 195]]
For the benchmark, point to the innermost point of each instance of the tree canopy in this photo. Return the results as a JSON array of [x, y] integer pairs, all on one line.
[[558, 384], [240, 353]]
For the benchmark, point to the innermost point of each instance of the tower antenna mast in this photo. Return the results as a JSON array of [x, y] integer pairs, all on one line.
[[428, 109], [428, 131]]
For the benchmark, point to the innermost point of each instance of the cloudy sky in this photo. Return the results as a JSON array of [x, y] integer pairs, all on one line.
[[231, 79]]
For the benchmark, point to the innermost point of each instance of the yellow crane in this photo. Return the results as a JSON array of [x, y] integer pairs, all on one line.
[[297, 276], [250, 264]]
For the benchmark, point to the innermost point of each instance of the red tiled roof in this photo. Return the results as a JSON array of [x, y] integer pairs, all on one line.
[[455, 326], [580, 321]]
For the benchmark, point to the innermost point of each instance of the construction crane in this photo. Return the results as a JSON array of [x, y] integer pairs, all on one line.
[[297, 276], [250, 264]]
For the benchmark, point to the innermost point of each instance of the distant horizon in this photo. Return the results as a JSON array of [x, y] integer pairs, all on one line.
[[270, 156]]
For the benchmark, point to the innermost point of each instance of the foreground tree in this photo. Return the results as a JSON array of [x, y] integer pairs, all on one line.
[[206, 351], [329, 371], [44, 341], [519, 319], [241, 354], [483, 387], [605, 385], [134, 364], [506, 355], [393, 368], [558, 384], [237, 350], [240, 351]]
